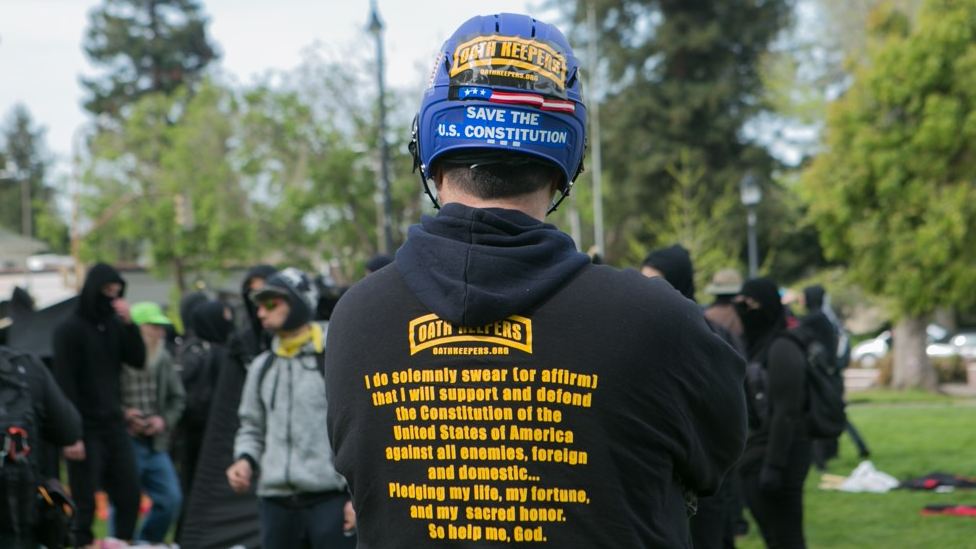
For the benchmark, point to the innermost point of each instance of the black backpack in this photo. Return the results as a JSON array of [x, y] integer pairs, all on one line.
[[18, 480], [825, 408], [198, 371]]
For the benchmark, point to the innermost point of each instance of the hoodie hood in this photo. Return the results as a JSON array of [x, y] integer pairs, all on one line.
[[94, 305], [258, 271], [474, 266], [675, 264], [763, 324], [814, 297], [188, 303], [210, 322]]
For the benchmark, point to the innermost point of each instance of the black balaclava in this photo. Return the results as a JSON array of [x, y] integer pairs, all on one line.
[[188, 303], [210, 322], [814, 297], [761, 324], [93, 304], [675, 264]]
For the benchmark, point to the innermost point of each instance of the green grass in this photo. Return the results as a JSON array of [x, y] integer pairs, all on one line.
[[909, 435]]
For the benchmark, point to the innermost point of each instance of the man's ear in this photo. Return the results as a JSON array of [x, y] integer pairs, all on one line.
[[438, 176], [554, 186]]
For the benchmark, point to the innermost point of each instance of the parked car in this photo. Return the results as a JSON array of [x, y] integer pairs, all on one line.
[[959, 344], [868, 352]]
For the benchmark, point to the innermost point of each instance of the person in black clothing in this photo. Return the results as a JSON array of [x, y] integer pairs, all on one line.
[[215, 515], [89, 349], [56, 421], [778, 454], [204, 355], [493, 385], [828, 331], [714, 525]]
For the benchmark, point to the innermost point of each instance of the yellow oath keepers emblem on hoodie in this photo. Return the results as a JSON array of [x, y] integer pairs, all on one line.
[[442, 337]]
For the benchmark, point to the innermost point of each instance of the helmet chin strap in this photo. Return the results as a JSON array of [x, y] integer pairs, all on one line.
[[414, 149]]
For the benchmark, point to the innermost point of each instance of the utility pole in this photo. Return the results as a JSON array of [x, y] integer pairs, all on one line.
[[596, 169], [383, 208]]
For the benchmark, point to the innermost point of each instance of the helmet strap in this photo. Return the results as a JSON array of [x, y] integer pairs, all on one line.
[[414, 148]]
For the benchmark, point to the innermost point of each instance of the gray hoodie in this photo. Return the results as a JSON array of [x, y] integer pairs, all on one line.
[[283, 425]]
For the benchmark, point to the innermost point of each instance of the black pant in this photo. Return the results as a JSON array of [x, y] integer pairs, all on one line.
[[713, 526], [318, 526], [111, 465], [780, 514]]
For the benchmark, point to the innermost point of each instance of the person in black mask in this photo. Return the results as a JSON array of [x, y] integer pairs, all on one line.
[[89, 349], [220, 516], [778, 450]]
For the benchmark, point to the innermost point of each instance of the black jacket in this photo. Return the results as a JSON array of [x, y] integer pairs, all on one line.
[[90, 347], [493, 383], [55, 419]]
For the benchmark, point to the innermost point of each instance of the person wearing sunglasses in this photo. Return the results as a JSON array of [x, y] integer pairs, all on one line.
[[301, 498]]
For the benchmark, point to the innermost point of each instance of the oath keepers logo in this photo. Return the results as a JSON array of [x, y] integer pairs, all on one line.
[[443, 338], [533, 62]]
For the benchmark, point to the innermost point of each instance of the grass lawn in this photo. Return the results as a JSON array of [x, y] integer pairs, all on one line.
[[909, 435]]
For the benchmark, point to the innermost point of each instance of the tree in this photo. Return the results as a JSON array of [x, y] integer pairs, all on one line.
[[169, 192], [23, 164], [893, 193], [146, 46], [690, 221], [811, 65], [676, 76], [308, 146]]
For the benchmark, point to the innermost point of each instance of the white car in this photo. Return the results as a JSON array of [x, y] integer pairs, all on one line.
[[960, 344], [868, 352]]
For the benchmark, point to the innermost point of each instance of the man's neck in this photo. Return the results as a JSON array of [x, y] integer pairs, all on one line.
[[532, 204], [288, 334]]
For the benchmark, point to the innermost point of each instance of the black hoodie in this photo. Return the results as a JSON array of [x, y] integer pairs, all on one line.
[[494, 383], [90, 347]]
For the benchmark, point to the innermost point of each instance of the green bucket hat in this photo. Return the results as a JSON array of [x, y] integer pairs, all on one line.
[[147, 312]]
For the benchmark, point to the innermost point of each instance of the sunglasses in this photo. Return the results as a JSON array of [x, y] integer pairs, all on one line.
[[270, 303]]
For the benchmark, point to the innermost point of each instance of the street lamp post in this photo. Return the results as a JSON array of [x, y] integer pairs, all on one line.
[[383, 180], [751, 194]]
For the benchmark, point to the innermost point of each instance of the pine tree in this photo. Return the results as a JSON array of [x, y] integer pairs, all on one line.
[[23, 164], [145, 46], [677, 77]]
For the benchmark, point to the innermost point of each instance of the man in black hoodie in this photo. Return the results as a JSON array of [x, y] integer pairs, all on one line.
[[89, 349], [220, 516], [714, 525], [492, 385], [777, 455]]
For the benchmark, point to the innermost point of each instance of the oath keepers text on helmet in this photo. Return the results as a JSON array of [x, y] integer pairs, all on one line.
[[535, 64]]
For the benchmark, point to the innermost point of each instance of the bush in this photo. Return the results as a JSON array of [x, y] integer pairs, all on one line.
[[949, 369], [885, 366]]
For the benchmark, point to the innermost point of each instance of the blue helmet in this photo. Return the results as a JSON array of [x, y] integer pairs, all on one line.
[[503, 84]]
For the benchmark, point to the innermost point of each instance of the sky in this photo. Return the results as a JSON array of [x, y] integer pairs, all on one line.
[[41, 58]]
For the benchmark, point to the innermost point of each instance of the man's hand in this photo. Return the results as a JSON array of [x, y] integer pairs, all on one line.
[[122, 309], [153, 426], [75, 452], [239, 475], [349, 516], [134, 421]]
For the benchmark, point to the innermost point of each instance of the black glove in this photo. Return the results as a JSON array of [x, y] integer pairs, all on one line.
[[770, 480]]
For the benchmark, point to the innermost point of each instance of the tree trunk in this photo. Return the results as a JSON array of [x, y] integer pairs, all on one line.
[[911, 368], [178, 277], [946, 317]]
